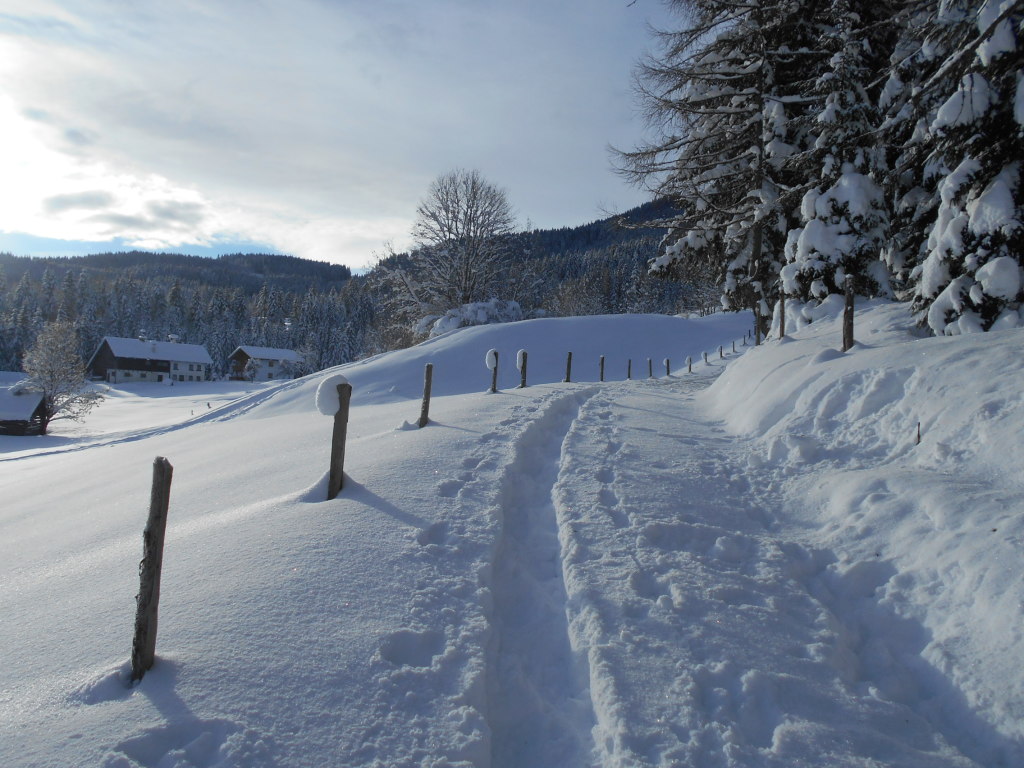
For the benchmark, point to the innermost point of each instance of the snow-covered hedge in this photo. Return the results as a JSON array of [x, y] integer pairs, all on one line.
[[477, 313]]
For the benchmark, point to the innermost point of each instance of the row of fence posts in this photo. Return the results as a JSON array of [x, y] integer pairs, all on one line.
[[148, 599], [493, 358]]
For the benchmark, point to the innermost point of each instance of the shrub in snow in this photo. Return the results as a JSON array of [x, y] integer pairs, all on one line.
[[477, 313], [327, 394]]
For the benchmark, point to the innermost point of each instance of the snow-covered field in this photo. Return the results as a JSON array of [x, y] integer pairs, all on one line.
[[755, 564]]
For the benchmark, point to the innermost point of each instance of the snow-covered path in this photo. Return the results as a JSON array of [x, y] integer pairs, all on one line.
[[714, 637]]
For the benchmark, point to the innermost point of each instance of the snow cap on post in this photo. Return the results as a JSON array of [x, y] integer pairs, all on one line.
[[519, 359], [491, 361], [327, 394]]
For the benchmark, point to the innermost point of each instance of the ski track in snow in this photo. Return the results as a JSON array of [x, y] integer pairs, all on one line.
[[225, 412], [640, 607], [773, 648], [538, 708]]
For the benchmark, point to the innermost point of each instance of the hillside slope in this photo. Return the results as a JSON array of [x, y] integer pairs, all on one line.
[[764, 571]]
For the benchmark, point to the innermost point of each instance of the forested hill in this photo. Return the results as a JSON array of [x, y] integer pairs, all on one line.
[[319, 309], [603, 233], [246, 271]]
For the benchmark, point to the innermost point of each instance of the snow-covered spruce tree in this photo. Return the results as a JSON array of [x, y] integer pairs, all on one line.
[[55, 370], [843, 215], [971, 278], [724, 93]]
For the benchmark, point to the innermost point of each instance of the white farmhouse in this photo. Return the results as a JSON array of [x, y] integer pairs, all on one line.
[[263, 363], [120, 360]]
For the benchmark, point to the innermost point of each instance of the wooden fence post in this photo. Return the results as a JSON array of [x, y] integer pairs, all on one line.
[[428, 377], [601, 367], [848, 314], [148, 599], [494, 374], [705, 357], [734, 346], [522, 369], [650, 369], [721, 352], [336, 478], [568, 368], [668, 367], [629, 368], [689, 364], [782, 315]]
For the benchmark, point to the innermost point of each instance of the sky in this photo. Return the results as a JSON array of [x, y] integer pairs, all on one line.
[[307, 127]]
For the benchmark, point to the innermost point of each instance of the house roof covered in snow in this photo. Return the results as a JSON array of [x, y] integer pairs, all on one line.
[[16, 402], [158, 350], [269, 353]]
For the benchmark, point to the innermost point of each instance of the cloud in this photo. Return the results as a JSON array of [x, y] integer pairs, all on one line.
[[96, 198], [177, 212], [310, 119]]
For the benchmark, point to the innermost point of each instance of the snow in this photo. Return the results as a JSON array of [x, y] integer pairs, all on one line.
[[1000, 278], [491, 359], [755, 564], [17, 402], [994, 209], [327, 400], [158, 350], [475, 313], [270, 353], [968, 104], [1002, 40]]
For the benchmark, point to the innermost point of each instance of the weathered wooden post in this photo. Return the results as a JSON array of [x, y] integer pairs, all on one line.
[[918, 433], [848, 314], [705, 357], [757, 328], [336, 478], [629, 368], [428, 377], [721, 352], [568, 368], [521, 359], [689, 364], [492, 363], [650, 369], [668, 367], [734, 346], [148, 599], [782, 315], [601, 367]]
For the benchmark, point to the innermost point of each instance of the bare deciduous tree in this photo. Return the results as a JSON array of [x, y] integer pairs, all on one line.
[[459, 232], [56, 370]]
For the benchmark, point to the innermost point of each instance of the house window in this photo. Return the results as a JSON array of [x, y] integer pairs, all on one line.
[[271, 363], [175, 366]]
